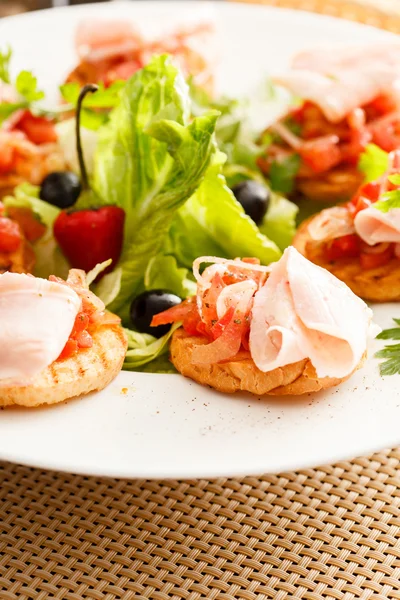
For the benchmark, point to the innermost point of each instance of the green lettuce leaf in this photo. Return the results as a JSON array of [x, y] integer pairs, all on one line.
[[144, 349], [163, 273], [149, 161], [279, 223], [212, 222], [283, 173], [49, 258]]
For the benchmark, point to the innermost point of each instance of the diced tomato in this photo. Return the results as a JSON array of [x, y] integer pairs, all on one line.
[[366, 195], [362, 203], [7, 156], [209, 304], [386, 137], [38, 129], [31, 227], [192, 321], [358, 141], [122, 72], [174, 314], [343, 247], [384, 104], [70, 348], [84, 339], [10, 235], [321, 155], [81, 323], [371, 259], [220, 325]]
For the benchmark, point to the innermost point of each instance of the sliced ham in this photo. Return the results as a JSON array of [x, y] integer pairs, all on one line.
[[331, 223], [303, 311], [340, 80], [374, 226]]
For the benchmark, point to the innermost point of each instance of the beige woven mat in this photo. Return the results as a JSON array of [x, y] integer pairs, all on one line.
[[330, 533]]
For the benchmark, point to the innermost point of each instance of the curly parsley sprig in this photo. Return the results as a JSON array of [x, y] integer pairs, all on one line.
[[391, 352]]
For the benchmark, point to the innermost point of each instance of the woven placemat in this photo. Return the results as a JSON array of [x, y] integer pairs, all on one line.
[[327, 533]]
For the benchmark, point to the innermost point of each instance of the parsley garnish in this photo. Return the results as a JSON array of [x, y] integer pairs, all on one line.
[[283, 173], [373, 162], [391, 352]]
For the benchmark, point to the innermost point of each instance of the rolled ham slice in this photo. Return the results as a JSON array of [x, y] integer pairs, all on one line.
[[340, 80], [303, 311], [374, 226]]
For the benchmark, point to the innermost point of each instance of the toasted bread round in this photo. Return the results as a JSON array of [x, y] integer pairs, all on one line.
[[88, 371], [337, 185], [381, 284], [241, 374]]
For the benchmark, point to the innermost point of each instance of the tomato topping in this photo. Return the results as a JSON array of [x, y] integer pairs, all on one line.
[[226, 346], [81, 323], [10, 235], [31, 227], [384, 104], [219, 327], [373, 260], [321, 155], [70, 348], [386, 137], [343, 247], [84, 339], [37, 129], [175, 313], [192, 323], [122, 72]]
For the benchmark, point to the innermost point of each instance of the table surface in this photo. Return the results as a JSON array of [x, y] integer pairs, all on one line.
[[326, 533]]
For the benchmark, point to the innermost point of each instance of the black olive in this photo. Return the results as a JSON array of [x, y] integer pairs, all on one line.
[[148, 304], [61, 188], [254, 198]]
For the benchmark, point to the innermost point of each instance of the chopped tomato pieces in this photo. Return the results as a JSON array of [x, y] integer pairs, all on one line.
[[122, 72], [218, 328], [343, 247], [384, 104], [32, 228], [373, 260], [321, 155], [37, 129], [70, 348], [226, 346], [81, 323], [84, 339], [10, 235], [174, 314]]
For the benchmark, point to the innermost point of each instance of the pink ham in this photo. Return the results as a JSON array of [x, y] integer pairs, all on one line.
[[303, 311], [99, 39], [340, 80], [374, 226]]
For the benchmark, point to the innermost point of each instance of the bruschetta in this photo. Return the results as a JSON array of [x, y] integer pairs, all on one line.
[[358, 242], [287, 329], [349, 98], [57, 341]]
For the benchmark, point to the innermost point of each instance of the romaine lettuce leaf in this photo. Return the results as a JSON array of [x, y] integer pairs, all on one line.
[[49, 258], [279, 223], [213, 223], [163, 273], [144, 348], [150, 161]]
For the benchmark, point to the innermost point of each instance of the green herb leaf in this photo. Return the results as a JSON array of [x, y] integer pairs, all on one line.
[[388, 201], [395, 179], [27, 86], [373, 162], [283, 173], [391, 352], [7, 109], [5, 58]]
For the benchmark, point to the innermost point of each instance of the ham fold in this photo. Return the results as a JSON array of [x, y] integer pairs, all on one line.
[[303, 311], [374, 226], [338, 80]]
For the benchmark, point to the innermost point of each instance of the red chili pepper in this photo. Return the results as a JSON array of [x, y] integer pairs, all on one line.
[[88, 237]]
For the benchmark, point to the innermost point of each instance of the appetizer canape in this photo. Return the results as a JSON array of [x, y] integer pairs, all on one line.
[[349, 97], [290, 328], [110, 51], [18, 229], [28, 150], [56, 340], [359, 242]]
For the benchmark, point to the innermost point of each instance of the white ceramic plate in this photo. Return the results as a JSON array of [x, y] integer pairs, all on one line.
[[146, 425]]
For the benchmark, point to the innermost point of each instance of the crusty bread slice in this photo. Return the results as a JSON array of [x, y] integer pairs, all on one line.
[[89, 370], [241, 374], [336, 185], [381, 284]]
